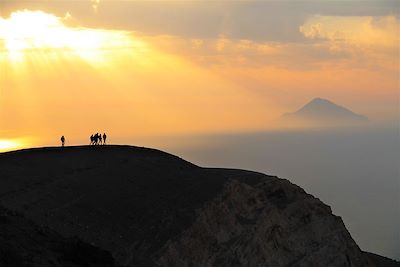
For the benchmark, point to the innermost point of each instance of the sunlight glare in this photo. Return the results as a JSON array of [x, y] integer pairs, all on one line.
[[27, 31], [8, 145]]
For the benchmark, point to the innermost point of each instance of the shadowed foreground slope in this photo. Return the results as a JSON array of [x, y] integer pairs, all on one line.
[[23, 243], [151, 208]]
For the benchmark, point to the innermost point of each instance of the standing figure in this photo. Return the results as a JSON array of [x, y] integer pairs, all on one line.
[[96, 138], [100, 139], [104, 138], [92, 140], [62, 141]]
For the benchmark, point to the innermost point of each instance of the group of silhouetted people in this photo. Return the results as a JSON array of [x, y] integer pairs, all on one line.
[[97, 139]]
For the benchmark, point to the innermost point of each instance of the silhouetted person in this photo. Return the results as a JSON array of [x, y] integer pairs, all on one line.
[[104, 138], [95, 139], [100, 141], [96, 136], [62, 140], [92, 139]]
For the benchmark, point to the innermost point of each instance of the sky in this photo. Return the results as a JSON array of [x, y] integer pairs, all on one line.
[[154, 68]]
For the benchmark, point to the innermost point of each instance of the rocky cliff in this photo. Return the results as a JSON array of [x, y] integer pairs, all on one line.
[[273, 223]]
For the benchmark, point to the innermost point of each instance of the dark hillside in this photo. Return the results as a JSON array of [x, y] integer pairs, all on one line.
[[23, 243], [149, 208], [121, 198]]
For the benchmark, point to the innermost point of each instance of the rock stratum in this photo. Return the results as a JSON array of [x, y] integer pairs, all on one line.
[[151, 208]]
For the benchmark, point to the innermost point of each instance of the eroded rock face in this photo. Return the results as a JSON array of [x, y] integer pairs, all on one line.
[[273, 223]]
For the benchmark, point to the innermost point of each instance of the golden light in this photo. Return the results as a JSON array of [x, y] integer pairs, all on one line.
[[8, 145], [36, 31], [57, 78]]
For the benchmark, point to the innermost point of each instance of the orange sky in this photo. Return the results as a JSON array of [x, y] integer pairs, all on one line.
[[61, 76]]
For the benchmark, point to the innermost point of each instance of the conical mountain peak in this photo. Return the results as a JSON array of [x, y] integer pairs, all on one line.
[[320, 110]]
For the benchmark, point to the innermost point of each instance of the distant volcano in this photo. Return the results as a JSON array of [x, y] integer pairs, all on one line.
[[323, 112]]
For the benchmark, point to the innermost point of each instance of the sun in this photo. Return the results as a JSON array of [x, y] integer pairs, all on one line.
[[38, 32], [7, 145]]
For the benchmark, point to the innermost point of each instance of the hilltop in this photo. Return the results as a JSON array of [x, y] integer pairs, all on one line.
[[148, 207]]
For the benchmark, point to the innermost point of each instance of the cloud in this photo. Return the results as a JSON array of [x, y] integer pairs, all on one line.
[[370, 42], [39, 32], [226, 52], [313, 31], [347, 58], [275, 21], [95, 4]]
